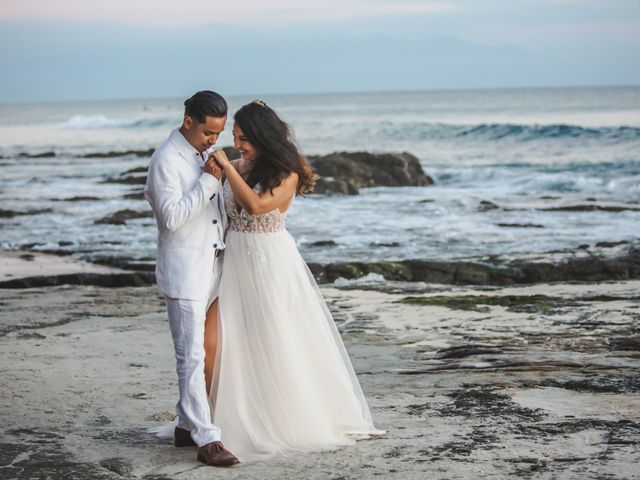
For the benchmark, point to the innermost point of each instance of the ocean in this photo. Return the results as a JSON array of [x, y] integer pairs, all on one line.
[[516, 171]]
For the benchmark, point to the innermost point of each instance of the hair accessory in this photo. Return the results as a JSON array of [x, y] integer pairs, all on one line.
[[259, 102]]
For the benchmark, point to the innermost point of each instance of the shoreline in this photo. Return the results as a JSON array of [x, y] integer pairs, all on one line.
[[601, 263]]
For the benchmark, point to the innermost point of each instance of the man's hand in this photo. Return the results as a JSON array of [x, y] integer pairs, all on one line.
[[221, 158], [212, 168]]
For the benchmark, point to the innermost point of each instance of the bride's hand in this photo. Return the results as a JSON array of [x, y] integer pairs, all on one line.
[[221, 158], [212, 168]]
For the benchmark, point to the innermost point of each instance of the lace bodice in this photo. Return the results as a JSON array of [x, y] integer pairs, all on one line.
[[270, 222]]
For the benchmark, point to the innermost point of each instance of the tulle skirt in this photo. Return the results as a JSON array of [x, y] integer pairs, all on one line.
[[283, 380]]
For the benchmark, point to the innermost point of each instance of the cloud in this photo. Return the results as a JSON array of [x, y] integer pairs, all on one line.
[[167, 13]]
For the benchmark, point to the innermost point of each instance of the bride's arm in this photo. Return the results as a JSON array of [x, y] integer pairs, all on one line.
[[256, 203]]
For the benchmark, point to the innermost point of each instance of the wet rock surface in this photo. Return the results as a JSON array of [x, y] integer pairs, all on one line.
[[16, 213], [594, 266], [345, 172], [591, 208], [108, 280], [121, 216], [332, 186], [135, 153], [604, 262], [466, 389]]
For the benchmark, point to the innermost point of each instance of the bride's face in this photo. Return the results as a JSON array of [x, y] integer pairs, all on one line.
[[248, 151]]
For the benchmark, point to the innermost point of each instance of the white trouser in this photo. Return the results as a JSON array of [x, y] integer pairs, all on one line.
[[186, 320]]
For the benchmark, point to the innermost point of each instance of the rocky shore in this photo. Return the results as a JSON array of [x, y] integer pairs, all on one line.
[[345, 172], [602, 262], [580, 266], [532, 381]]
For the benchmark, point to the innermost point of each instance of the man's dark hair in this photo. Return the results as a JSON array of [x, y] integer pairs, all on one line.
[[205, 104]]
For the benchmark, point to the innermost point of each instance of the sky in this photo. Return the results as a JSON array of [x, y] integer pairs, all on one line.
[[53, 50]]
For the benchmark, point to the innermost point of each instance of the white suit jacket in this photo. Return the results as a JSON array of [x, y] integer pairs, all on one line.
[[189, 210]]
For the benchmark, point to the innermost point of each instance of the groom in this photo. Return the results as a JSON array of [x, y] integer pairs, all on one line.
[[184, 190]]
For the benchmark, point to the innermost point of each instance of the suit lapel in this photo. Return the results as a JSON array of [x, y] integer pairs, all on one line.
[[185, 149]]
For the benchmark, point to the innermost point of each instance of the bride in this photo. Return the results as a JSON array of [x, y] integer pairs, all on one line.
[[278, 375]]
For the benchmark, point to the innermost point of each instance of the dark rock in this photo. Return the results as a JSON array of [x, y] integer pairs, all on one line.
[[328, 185], [48, 154], [125, 263], [330, 272], [386, 244], [65, 243], [520, 225], [607, 384], [591, 269], [364, 169], [137, 153], [101, 421], [30, 246], [620, 431], [121, 216], [30, 336], [590, 208], [465, 351], [486, 205], [629, 344], [323, 243], [112, 280], [78, 199], [42, 460], [483, 401], [127, 179], [139, 195], [537, 303], [16, 213], [29, 257], [120, 466], [138, 396], [611, 244], [137, 170]]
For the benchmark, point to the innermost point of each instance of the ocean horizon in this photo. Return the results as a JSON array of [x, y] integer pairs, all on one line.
[[323, 93]]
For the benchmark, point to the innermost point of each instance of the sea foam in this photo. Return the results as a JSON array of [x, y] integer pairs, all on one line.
[[93, 122]]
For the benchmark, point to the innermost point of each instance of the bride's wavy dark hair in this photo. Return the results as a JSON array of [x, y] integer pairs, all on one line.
[[278, 154]]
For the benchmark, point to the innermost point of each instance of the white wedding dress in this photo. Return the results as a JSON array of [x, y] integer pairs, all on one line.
[[283, 380]]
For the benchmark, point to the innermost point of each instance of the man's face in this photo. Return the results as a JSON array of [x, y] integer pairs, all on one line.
[[202, 135]]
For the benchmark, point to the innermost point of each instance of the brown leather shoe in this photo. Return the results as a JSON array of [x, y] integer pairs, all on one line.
[[216, 455], [182, 438]]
